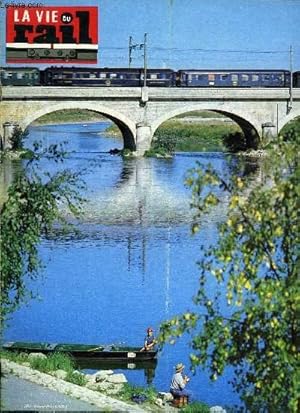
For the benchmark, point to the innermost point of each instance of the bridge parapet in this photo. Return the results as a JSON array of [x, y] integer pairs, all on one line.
[[155, 93]]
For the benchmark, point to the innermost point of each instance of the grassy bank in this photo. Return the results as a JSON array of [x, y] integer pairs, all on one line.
[[59, 363], [113, 130], [50, 364], [195, 137], [70, 116]]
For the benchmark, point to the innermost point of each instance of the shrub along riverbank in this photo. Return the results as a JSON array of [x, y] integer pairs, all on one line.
[[195, 137]]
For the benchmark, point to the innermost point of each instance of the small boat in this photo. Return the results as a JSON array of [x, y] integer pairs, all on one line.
[[107, 352]]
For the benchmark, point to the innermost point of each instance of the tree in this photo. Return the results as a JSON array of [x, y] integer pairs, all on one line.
[[34, 204], [17, 138], [249, 321]]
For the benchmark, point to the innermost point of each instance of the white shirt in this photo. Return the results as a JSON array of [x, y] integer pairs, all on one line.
[[177, 382]]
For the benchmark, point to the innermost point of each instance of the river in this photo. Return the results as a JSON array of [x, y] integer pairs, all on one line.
[[132, 265]]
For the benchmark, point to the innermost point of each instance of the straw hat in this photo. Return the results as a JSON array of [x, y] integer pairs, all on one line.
[[179, 367]]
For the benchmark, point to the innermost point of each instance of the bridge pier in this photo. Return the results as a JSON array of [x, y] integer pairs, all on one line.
[[268, 132], [143, 138], [8, 130]]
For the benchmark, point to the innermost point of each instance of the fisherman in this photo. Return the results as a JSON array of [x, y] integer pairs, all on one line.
[[178, 383], [150, 341]]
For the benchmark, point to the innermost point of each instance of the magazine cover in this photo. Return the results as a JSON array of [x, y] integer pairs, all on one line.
[[148, 196]]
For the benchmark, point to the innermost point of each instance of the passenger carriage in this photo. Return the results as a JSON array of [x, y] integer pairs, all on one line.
[[20, 76], [233, 78], [76, 76]]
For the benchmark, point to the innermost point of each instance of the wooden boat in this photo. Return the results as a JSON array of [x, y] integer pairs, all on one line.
[[106, 352]]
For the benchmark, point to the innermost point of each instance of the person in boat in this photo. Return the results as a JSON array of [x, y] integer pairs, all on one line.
[[150, 341], [178, 383]]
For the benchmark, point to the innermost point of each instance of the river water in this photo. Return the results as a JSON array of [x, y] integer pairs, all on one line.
[[132, 265]]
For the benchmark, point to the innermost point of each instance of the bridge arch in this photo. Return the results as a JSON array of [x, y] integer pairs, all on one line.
[[249, 127], [126, 125], [291, 116]]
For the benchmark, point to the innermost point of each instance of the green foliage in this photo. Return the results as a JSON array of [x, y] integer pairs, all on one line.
[[196, 407], [291, 130], [55, 361], [127, 153], [249, 287], [76, 378], [113, 130], [34, 204], [14, 356], [165, 143], [129, 390], [195, 137], [235, 142], [17, 138]]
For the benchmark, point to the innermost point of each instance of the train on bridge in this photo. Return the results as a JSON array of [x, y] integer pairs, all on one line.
[[134, 77]]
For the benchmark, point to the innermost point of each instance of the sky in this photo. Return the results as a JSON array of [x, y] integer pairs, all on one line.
[[208, 34]]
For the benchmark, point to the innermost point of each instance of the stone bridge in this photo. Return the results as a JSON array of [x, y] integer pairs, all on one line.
[[138, 112]]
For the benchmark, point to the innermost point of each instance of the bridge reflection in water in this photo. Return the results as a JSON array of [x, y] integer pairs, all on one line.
[[138, 198]]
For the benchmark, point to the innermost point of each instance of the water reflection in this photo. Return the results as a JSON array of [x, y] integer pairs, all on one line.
[[133, 262], [148, 367], [138, 198]]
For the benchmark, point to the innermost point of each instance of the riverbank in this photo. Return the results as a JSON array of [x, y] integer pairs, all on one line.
[[97, 399], [93, 389]]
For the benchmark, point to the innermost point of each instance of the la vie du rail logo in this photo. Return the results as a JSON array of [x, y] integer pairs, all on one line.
[[34, 28]]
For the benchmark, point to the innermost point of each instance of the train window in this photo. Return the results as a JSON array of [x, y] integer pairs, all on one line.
[[102, 75], [153, 76], [112, 75], [6, 75], [266, 77], [93, 75], [20, 75], [255, 78], [224, 77], [211, 76], [121, 76], [245, 78], [234, 78]]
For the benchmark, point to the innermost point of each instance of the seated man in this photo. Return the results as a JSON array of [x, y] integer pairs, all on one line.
[[149, 341], [178, 383]]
